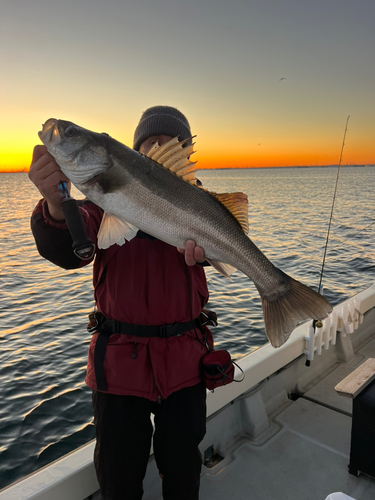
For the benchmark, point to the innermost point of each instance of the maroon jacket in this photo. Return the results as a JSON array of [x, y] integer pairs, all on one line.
[[142, 282]]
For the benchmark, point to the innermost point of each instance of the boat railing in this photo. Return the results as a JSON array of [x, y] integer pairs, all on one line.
[[304, 340], [344, 319]]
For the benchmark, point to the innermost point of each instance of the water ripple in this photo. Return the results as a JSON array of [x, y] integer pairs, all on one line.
[[45, 410]]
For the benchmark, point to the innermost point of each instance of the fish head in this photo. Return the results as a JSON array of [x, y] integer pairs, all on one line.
[[80, 153]]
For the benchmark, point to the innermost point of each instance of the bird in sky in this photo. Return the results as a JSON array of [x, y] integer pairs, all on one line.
[[282, 79]]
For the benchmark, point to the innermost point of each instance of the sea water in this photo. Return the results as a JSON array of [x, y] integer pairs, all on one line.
[[45, 408]]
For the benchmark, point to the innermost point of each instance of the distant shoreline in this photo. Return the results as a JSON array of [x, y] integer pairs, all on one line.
[[245, 168], [294, 166]]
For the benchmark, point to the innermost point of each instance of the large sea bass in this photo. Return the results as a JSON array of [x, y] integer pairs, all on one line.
[[158, 194]]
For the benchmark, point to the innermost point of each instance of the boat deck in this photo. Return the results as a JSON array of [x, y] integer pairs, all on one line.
[[306, 457]]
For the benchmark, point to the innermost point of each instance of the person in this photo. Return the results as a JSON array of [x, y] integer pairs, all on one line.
[[145, 354]]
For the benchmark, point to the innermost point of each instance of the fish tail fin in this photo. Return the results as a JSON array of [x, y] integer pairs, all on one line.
[[284, 310]]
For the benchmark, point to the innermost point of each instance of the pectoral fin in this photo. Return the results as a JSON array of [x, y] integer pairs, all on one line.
[[112, 179], [114, 230]]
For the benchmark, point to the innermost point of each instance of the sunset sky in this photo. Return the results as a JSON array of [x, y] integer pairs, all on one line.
[[262, 82]]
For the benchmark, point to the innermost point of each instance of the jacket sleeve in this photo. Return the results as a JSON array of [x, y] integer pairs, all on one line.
[[53, 239]]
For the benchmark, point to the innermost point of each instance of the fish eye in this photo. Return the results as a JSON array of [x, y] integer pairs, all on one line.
[[70, 131]]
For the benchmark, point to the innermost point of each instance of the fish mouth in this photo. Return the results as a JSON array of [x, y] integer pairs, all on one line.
[[50, 132]]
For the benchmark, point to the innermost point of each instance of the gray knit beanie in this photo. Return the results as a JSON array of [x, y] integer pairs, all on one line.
[[161, 120]]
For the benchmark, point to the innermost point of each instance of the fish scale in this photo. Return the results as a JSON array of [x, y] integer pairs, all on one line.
[[136, 192]]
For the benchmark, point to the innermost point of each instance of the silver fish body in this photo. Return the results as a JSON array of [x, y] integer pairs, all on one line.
[[149, 197]]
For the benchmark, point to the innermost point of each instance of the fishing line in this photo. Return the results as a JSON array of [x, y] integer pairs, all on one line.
[[333, 204], [364, 229], [355, 234], [329, 227]]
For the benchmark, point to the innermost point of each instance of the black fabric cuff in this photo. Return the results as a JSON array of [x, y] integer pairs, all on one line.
[[54, 244]]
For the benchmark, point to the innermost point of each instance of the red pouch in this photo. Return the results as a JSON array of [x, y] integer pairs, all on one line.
[[218, 369]]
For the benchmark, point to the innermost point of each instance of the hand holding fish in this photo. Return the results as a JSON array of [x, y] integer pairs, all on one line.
[[192, 252], [46, 175]]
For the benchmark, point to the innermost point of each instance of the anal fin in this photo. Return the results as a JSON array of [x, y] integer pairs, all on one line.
[[223, 268]]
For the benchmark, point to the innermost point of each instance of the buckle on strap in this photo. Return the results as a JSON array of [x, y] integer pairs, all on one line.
[[166, 331]]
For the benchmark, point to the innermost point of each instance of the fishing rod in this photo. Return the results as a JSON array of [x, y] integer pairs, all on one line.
[[318, 323], [83, 247]]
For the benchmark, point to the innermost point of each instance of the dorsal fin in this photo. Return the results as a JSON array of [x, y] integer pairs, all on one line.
[[157, 151], [237, 204], [152, 150], [174, 157]]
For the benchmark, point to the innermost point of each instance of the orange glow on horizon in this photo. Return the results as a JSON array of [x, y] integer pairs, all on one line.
[[235, 156], [279, 160], [228, 161], [15, 162]]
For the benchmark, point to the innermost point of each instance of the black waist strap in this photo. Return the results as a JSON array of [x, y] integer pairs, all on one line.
[[107, 327], [162, 331]]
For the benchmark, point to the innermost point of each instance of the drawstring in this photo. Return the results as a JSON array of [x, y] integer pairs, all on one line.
[[191, 313]]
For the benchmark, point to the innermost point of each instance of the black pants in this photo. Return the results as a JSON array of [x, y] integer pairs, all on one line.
[[123, 441]]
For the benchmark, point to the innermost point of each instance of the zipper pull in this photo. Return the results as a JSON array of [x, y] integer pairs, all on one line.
[[159, 399], [134, 354]]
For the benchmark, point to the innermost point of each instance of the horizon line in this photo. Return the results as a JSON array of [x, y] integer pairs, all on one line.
[[25, 171]]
